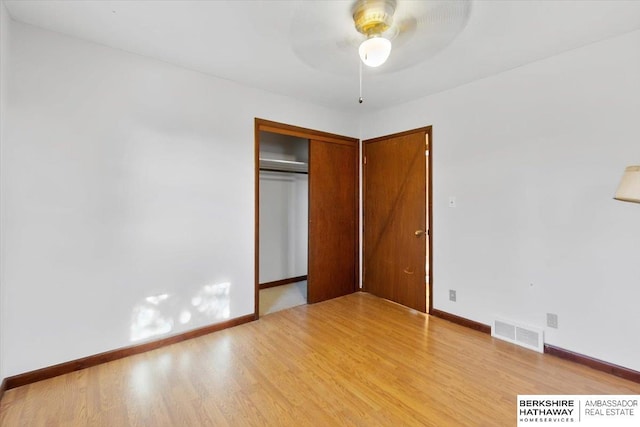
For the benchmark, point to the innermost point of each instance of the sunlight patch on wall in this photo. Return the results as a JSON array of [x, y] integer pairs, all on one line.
[[185, 317], [157, 299], [213, 300], [148, 320], [157, 314]]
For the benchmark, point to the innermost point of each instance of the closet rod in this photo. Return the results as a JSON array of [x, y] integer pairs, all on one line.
[[283, 171]]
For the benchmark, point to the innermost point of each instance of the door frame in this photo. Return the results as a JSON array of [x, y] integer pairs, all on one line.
[[262, 125], [429, 159]]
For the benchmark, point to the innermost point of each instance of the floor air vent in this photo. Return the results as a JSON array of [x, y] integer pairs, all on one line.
[[525, 336]]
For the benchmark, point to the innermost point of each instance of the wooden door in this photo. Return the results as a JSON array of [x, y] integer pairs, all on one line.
[[395, 218], [333, 219]]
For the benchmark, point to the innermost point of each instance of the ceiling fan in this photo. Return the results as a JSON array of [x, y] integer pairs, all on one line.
[[374, 20], [331, 36]]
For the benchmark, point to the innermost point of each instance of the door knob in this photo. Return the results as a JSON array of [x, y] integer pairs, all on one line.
[[419, 233]]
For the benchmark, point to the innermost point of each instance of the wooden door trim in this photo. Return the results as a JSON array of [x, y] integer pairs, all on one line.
[[430, 214], [262, 125], [428, 130], [300, 132]]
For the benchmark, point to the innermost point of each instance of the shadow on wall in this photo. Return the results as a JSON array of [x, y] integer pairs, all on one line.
[[158, 314]]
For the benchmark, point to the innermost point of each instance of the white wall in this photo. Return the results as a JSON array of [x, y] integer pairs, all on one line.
[[129, 190], [5, 22], [534, 156]]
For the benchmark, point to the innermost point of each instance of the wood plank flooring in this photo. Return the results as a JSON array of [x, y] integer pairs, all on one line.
[[356, 360]]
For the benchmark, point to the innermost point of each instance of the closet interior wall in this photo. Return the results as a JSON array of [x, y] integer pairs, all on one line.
[[284, 200]]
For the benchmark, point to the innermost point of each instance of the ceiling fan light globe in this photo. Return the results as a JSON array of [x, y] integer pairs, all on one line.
[[374, 51]]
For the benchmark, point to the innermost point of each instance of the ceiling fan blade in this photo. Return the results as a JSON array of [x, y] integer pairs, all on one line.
[[425, 28], [324, 36], [330, 55]]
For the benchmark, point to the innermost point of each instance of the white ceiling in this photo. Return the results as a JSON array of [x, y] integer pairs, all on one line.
[[255, 42]]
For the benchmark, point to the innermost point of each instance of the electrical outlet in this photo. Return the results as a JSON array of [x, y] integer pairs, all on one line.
[[552, 320], [452, 295]]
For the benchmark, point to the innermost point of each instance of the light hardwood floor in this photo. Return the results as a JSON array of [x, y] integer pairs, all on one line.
[[355, 360]]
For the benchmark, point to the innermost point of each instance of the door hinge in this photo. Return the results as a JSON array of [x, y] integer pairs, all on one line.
[[364, 160]]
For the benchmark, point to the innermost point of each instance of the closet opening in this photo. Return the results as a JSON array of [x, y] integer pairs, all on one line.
[[306, 212], [283, 221]]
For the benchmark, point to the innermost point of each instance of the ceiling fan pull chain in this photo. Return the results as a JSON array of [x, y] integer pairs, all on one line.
[[360, 98]]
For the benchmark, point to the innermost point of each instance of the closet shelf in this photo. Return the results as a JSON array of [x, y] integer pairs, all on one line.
[[284, 165]]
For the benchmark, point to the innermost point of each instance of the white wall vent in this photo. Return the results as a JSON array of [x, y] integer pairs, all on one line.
[[525, 336]]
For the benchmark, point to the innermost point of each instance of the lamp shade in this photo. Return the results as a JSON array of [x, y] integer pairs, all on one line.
[[374, 51], [629, 188]]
